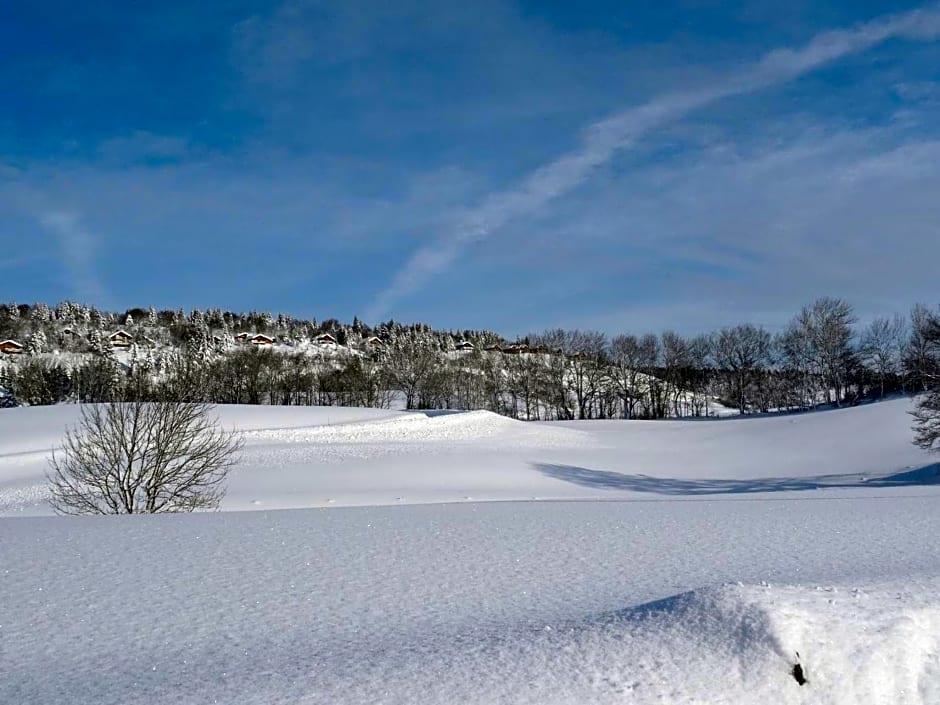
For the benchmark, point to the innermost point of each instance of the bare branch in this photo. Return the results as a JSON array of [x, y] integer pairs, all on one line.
[[127, 458]]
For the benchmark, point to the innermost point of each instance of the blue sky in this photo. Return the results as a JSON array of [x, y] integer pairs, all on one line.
[[507, 165]]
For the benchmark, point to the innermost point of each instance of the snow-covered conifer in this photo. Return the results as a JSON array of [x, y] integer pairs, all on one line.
[[36, 343], [927, 413]]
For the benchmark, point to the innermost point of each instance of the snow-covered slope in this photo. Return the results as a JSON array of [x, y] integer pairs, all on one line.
[[309, 457], [731, 546]]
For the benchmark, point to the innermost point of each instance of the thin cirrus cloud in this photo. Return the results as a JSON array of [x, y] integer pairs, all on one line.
[[605, 138], [77, 252], [753, 231]]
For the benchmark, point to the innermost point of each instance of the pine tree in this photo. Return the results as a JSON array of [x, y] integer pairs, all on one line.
[[927, 413], [101, 346], [36, 343], [199, 347], [150, 363]]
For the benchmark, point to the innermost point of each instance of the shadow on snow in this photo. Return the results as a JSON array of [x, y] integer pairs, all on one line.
[[606, 480]]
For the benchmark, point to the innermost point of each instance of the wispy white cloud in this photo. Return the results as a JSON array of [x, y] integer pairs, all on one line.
[[78, 247], [753, 231], [199, 214], [602, 140]]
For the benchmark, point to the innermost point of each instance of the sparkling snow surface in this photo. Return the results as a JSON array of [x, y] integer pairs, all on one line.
[[814, 534]]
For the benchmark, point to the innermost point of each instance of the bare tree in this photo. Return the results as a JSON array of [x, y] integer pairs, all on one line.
[[917, 357], [584, 352], [411, 361], [649, 359], [742, 353], [698, 373], [555, 371], [826, 329], [676, 364], [628, 359], [137, 457], [880, 348]]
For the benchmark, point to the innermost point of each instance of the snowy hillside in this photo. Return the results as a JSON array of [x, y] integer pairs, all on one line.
[[310, 457], [732, 546]]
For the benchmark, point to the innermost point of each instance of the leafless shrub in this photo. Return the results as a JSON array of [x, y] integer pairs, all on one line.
[[139, 457]]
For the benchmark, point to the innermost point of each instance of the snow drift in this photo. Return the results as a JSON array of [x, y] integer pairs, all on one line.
[[312, 457]]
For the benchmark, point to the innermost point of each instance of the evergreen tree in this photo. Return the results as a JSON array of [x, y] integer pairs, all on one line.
[[927, 413], [40, 313], [36, 343]]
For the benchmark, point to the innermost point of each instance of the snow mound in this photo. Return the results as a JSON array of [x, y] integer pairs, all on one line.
[[732, 644], [740, 644], [425, 428]]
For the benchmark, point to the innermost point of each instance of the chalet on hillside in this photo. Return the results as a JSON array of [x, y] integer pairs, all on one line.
[[242, 338], [464, 345], [493, 348], [261, 340], [121, 339], [325, 339], [10, 347], [516, 349], [375, 342]]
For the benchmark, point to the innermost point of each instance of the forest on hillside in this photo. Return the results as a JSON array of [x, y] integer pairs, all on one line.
[[76, 353]]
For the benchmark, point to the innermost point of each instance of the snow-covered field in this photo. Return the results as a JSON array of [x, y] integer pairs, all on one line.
[[679, 562]]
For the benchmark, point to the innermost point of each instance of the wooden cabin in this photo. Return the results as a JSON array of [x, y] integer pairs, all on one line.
[[10, 347], [261, 340], [464, 345], [121, 339], [325, 339]]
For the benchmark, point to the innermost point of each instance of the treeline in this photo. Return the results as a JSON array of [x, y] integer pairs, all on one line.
[[820, 357]]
